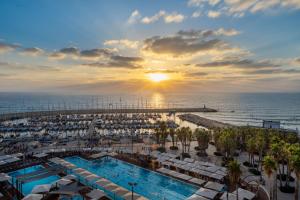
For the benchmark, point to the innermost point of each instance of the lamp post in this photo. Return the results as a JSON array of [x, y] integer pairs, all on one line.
[[132, 185]]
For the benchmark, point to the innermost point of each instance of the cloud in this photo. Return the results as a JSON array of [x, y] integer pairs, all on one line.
[[19, 66], [240, 63], [273, 71], [96, 53], [197, 74], [134, 17], [124, 43], [70, 51], [238, 8], [154, 18], [178, 45], [118, 61], [75, 52], [213, 14], [32, 51], [196, 14], [5, 47], [173, 17], [188, 42], [197, 3], [208, 33]]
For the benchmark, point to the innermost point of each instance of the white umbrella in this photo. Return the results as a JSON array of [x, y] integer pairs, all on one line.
[[33, 197], [41, 188]]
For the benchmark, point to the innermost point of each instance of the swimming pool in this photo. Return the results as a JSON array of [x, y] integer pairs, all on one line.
[[150, 184], [27, 187]]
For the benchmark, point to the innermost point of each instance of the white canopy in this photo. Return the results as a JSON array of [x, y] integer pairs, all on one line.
[[210, 194], [214, 186], [244, 194], [196, 197], [62, 181], [41, 188], [230, 196], [70, 177], [96, 194], [33, 197], [40, 155], [4, 177]]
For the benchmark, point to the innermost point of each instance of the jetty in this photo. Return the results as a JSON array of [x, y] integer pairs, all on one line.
[[201, 121], [21, 115]]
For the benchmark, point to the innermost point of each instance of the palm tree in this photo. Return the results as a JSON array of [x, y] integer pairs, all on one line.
[[202, 137], [269, 167], [251, 148], [172, 133], [295, 165], [227, 142], [235, 173], [184, 135]]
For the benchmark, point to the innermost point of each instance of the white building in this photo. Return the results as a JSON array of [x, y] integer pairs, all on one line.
[[271, 124]]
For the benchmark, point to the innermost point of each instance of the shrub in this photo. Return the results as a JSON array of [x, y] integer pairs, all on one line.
[[283, 177], [186, 155], [217, 153], [173, 148], [255, 171], [161, 149], [287, 189]]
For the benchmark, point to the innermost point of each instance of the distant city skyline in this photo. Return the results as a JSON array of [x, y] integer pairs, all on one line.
[[90, 47]]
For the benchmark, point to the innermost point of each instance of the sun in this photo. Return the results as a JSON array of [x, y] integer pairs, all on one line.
[[157, 77]]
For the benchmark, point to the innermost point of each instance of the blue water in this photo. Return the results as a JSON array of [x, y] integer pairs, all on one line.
[[249, 108], [27, 187], [150, 184]]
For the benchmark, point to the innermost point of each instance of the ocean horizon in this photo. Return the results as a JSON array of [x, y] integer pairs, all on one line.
[[234, 108]]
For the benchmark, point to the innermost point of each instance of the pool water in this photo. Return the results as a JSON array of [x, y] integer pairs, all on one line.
[[150, 184], [27, 187]]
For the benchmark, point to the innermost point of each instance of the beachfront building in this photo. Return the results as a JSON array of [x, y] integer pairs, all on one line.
[[271, 124]]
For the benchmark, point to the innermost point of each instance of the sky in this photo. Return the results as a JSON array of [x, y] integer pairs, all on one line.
[[178, 46]]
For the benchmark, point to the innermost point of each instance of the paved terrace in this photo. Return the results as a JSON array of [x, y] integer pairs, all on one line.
[[21, 115]]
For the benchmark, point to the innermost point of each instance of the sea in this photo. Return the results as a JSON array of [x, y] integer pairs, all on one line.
[[235, 108]]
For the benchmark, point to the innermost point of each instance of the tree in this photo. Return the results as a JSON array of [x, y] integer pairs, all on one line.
[[172, 133], [184, 135], [269, 167], [227, 142], [295, 166], [202, 137], [251, 148], [234, 172]]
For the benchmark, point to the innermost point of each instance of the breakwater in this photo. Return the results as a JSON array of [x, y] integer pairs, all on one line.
[[10, 116], [201, 121]]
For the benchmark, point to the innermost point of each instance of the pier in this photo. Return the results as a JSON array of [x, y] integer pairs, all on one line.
[[10, 116]]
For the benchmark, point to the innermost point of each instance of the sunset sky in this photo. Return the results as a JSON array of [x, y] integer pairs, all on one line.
[[117, 46]]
